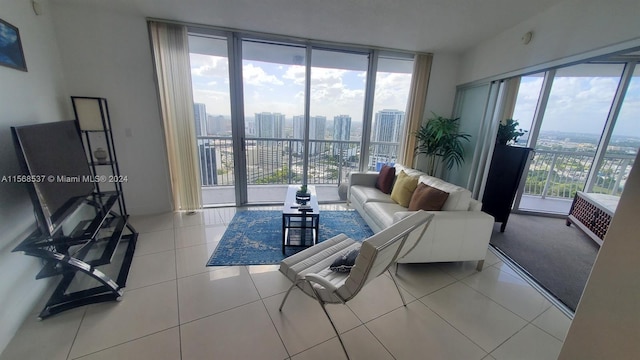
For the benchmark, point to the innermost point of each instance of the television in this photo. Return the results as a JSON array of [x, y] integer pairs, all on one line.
[[55, 169]]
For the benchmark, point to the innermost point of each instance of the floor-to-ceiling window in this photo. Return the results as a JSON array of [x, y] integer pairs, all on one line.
[[272, 112], [212, 109], [393, 78], [337, 92], [622, 147]]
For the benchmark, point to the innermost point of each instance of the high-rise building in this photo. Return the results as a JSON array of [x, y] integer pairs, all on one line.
[[341, 132], [342, 127], [269, 125], [215, 125], [317, 131], [200, 115], [387, 128]]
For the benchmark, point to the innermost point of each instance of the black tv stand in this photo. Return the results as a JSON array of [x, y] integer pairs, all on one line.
[[91, 250]]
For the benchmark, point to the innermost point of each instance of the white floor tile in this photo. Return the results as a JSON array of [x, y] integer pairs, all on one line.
[[415, 332], [459, 269], [378, 297], [530, 343], [268, 280], [164, 345], [509, 291], [422, 279], [154, 242], [192, 260], [245, 332], [555, 322], [302, 323], [198, 235], [183, 218], [151, 269], [479, 318], [506, 268], [214, 291], [141, 312], [151, 223], [360, 344], [53, 336]]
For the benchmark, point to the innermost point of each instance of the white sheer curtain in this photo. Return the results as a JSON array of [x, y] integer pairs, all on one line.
[[171, 55], [415, 105]]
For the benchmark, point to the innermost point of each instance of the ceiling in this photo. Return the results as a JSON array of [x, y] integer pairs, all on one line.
[[414, 25]]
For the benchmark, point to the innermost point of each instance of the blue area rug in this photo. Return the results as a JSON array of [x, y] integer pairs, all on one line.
[[254, 237]]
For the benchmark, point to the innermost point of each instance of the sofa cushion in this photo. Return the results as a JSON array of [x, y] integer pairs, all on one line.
[[403, 189], [385, 179], [427, 198], [459, 197], [382, 213], [363, 194]]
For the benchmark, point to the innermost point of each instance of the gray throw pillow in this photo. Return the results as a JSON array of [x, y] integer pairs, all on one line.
[[344, 262]]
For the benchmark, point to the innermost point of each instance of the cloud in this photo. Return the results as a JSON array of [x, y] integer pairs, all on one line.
[[209, 66], [392, 91], [255, 75]]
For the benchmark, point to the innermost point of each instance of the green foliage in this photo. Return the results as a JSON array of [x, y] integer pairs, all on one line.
[[508, 132], [440, 141]]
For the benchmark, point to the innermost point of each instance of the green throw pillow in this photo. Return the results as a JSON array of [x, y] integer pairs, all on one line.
[[403, 189]]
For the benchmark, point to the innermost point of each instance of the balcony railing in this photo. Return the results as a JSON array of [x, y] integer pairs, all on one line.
[[561, 174], [280, 161]]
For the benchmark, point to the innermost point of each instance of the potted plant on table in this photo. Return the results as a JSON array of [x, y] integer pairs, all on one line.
[[438, 139], [303, 195]]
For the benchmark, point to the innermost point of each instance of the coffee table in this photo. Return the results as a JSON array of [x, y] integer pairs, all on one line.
[[300, 226]]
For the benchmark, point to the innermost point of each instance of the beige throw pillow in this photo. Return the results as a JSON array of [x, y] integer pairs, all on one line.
[[403, 189]]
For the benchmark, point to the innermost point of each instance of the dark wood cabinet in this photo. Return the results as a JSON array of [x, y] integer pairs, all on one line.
[[505, 173]]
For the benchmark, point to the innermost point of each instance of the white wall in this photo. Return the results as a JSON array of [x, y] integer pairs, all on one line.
[[26, 98], [573, 28], [107, 54]]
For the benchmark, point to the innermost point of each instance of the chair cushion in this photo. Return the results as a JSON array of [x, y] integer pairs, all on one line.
[[345, 261], [427, 198], [385, 179], [403, 189]]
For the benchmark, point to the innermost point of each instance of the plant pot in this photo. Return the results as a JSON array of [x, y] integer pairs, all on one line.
[[302, 197]]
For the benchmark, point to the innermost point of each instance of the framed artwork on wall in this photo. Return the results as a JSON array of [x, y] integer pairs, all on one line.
[[11, 54]]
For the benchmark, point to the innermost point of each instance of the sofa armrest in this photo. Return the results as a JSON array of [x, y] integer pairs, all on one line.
[[451, 236], [362, 178]]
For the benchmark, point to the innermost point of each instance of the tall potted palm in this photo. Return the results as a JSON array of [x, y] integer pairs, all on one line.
[[438, 139]]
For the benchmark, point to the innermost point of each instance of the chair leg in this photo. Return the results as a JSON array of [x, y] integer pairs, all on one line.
[[480, 265], [404, 302], [322, 305], [287, 295]]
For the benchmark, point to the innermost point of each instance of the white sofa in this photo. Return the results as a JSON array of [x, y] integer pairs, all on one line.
[[459, 232]]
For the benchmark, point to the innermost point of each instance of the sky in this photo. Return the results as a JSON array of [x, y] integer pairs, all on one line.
[[270, 87], [580, 104]]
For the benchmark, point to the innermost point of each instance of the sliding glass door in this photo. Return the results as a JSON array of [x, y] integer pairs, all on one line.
[[273, 95], [566, 140], [336, 104]]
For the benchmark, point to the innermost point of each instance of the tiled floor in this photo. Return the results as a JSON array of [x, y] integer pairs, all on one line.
[[176, 308]]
